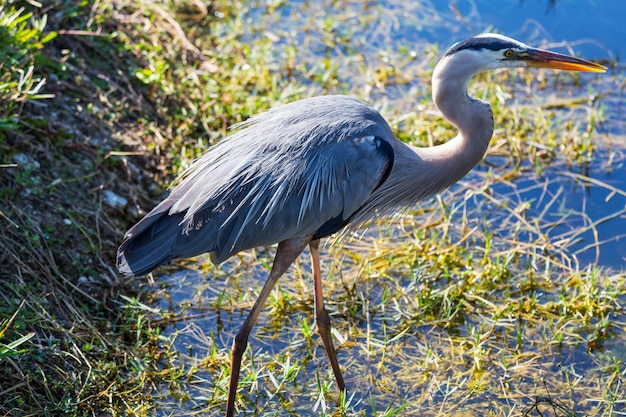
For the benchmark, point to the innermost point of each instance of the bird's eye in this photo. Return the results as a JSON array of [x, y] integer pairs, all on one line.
[[508, 53]]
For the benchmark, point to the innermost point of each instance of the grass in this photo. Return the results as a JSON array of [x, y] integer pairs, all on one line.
[[473, 303]]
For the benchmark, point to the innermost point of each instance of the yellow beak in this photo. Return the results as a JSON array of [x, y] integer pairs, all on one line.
[[546, 59]]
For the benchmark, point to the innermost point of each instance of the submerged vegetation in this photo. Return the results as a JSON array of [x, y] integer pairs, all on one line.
[[475, 303]]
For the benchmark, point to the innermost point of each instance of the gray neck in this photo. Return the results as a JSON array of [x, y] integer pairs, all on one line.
[[421, 172], [449, 162]]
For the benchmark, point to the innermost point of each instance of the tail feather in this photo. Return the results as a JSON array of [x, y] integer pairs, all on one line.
[[149, 244]]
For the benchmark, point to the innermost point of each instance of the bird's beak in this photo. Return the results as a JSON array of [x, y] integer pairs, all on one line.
[[546, 59]]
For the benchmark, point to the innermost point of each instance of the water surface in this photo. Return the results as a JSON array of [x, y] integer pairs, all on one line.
[[580, 207]]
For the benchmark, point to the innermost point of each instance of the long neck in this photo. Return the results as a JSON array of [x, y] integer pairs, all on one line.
[[421, 172], [447, 163]]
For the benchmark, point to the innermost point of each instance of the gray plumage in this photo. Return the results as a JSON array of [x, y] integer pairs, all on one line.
[[289, 172], [306, 170], [318, 165], [286, 172]]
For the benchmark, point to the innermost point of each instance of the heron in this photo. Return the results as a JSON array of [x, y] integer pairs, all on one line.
[[303, 171]]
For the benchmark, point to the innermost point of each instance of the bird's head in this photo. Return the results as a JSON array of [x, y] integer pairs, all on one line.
[[490, 50]]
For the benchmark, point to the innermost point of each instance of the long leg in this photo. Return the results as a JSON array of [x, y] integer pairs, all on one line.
[[321, 315], [286, 253]]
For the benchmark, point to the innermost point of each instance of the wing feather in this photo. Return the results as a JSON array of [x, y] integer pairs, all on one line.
[[294, 170]]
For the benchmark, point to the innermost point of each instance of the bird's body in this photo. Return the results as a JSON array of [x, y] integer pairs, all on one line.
[[261, 186], [283, 175], [305, 170]]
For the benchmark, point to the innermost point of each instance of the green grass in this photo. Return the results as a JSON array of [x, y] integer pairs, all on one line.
[[473, 303]]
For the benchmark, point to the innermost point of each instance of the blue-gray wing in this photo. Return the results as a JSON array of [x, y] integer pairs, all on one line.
[[317, 194], [304, 168]]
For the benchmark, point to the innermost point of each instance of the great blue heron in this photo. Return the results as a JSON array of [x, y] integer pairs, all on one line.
[[305, 170]]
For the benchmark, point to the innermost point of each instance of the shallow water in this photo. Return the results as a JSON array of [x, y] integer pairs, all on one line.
[[587, 28], [581, 208], [591, 28]]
